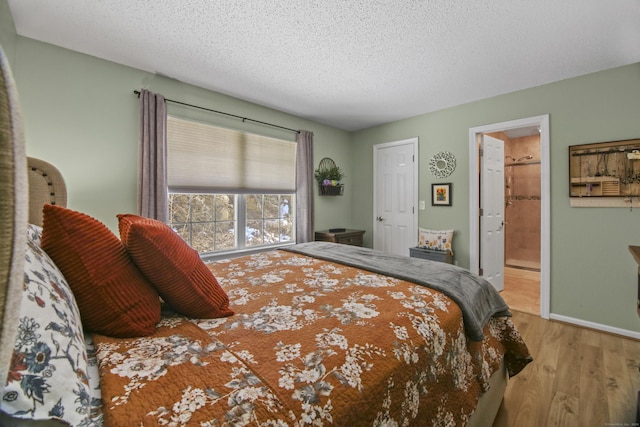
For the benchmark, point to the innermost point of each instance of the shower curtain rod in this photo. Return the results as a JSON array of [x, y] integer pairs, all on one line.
[[534, 162], [244, 119]]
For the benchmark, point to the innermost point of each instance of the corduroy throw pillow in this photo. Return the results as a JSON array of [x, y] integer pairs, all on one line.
[[113, 296], [173, 267]]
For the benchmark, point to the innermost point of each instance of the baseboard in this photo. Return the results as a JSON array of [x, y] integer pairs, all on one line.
[[593, 325]]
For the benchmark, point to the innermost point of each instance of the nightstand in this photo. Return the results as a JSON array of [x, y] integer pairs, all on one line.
[[441, 256], [346, 237]]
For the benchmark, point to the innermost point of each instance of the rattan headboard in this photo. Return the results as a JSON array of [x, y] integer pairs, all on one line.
[[46, 186]]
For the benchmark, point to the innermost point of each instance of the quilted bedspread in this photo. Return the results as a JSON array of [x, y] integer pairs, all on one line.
[[312, 342]]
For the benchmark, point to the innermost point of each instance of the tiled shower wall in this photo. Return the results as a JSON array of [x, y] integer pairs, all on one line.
[[522, 203]]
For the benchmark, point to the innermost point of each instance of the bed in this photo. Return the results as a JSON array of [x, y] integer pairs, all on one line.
[[311, 334]]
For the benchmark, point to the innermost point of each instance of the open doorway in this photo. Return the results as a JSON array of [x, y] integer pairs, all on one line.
[[542, 262], [521, 197], [522, 223]]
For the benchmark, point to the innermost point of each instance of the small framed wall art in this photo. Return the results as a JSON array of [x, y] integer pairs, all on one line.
[[441, 194]]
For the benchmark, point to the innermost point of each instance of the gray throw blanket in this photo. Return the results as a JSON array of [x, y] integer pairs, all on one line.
[[477, 298]]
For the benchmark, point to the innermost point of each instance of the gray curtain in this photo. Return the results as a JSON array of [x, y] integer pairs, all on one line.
[[153, 199], [304, 187]]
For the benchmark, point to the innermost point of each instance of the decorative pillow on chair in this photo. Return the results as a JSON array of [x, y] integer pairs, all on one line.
[[173, 267], [438, 240], [113, 296], [48, 373]]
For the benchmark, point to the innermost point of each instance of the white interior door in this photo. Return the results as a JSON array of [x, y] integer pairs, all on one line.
[[492, 211], [395, 196]]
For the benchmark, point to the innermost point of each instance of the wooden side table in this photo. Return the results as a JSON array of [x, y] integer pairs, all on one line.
[[346, 237], [440, 256]]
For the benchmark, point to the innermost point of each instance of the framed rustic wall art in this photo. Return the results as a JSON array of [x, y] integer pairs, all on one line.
[[605, 169]]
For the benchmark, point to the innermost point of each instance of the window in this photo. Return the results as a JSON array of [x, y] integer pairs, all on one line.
[[212, 222], [229, 190]]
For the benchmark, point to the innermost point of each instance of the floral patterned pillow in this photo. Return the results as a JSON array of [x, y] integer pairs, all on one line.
[[48, 376], [438, 240], [34, 234]]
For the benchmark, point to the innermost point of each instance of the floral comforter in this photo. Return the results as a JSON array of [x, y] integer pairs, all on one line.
[[312, 343]]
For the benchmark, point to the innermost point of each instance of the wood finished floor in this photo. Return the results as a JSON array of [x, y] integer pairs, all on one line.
[[522, 290], [579, 377]]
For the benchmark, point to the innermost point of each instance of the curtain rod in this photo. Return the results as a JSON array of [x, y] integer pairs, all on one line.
[[244, 119]]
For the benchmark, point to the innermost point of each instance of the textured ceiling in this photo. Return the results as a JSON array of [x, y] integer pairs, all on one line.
[[349, 64]]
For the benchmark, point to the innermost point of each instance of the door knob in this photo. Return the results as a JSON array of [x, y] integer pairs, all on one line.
[[380, 218]]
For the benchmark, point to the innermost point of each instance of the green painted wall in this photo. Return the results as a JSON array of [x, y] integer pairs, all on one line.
[[81, 115], [593, 276]]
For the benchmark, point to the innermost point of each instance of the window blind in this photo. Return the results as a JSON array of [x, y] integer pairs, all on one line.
[[202, 157]]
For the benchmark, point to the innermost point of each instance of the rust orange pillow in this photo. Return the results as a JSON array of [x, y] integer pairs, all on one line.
[[173, 267], [114, 298]]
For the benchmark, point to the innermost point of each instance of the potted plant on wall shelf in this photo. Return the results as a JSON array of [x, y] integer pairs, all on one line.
[[329, 177]]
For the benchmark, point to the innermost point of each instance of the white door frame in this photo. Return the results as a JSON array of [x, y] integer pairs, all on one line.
[[545, 203], [413, 141]]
